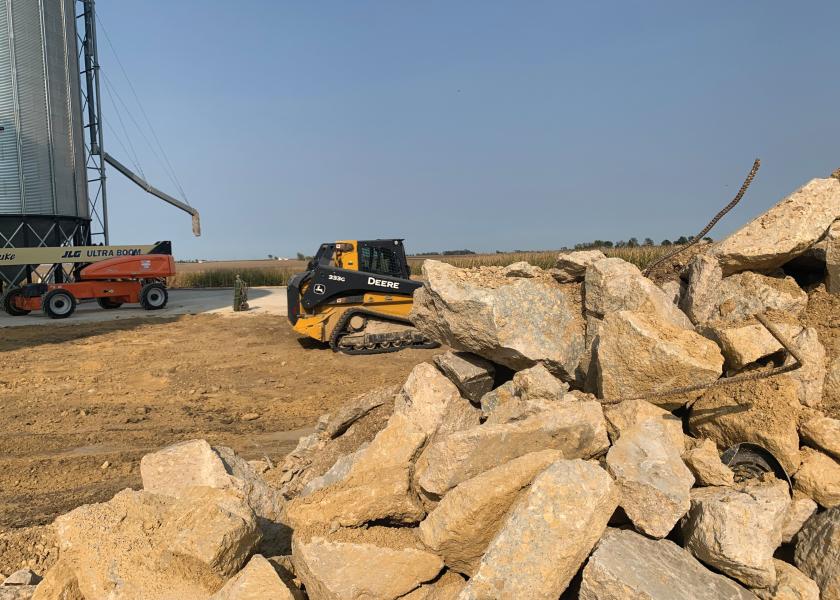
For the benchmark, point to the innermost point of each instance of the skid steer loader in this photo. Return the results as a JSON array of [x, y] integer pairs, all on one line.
[[356, 295]]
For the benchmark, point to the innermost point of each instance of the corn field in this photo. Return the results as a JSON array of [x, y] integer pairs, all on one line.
[[224, 277], [641, 256]]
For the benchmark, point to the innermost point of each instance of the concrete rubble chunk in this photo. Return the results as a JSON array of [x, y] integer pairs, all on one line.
[[673, 290], [763, 412], [338, 472], [548, 534], [513, 322], [576, 428], [743, 344], [712, 298], [17, 592], [791, 584], [344, 417], [832, 259], [818, 552], [637, 354], [447, 587], [175, 469], [212, 528], [472, 374], [522, 269], [530, 392], [59, 583], [819, 478], [629, 566], [497, 398], [347, 571], [704, 462], [537, 383], [571, 266], [460, 528], [432, 403], [737, 529], [785, 231], [810, 378], [800, 510], [654, 482], [145, 546], [377, 486], [22, 577], [822, 433], [626, 415], [699, 299], [256, 581], [614, 285]]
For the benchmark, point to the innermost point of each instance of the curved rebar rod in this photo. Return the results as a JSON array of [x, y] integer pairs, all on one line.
[[712, 223]]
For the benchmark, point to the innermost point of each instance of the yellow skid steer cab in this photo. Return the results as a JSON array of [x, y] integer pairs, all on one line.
[[356, 295]]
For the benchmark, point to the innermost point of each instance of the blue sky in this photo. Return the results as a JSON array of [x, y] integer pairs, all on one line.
[[476, 124]]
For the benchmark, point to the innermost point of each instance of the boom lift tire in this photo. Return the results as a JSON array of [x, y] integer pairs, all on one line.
[[153, 296], [9, 303], [108, 303], [59, 304]]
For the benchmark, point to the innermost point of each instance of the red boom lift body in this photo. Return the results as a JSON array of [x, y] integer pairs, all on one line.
[[112, 283]]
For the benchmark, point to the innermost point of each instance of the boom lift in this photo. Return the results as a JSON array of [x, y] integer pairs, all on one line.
[[357, 295]]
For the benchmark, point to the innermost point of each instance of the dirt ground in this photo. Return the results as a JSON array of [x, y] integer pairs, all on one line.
[[82, 404]]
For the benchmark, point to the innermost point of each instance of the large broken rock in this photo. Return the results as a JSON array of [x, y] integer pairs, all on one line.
[[340, 421], [432, 403], [800, 510], [211, 529], [710, 297], [638, 354], [822, 433], [832, 259], [576, 428], [626, 565], [472, 374], [818, 552], [257, 581], [655, 484], [791, 584], [626, 415], [148, 547], [783, 232], [177, 468], [376, 487], [737, 530], [548, 534], [522, 269], [614, 285], [59, 583], [571, 266], [468, 517], [763, 412], [810, 378], [510, 321], [346, 571], [531, 391], [703, 460], [744, 344], [819, 478], [537, 383]]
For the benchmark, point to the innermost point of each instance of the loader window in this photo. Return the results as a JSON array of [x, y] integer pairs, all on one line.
[[380, 260]]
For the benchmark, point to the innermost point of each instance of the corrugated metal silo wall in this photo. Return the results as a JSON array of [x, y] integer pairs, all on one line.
[[42, 168]]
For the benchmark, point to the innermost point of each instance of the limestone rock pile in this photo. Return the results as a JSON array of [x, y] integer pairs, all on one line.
[[534, 459]]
